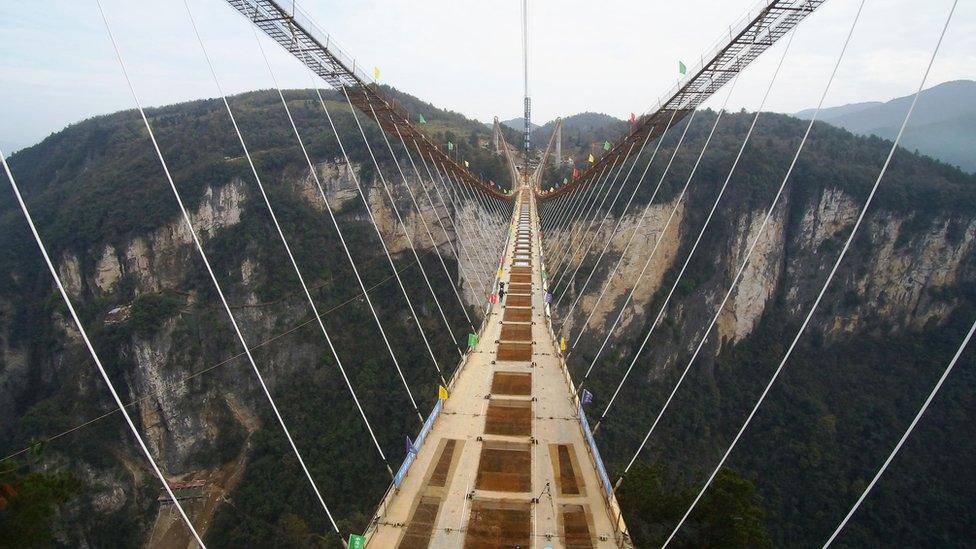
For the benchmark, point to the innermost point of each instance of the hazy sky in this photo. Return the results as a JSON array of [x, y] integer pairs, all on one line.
[[612, 56]]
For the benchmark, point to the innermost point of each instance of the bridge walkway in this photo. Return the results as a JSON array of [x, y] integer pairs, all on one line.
[[506, 461]]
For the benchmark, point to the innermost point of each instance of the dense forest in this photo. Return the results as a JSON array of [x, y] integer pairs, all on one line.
[[837, 410]]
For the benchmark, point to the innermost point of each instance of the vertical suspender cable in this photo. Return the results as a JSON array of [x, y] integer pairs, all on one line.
[[769, 214], [694, 247], [94, 355], [210, 272], [406, 234], [335, 223], [281, 234], [830, 276], [650, 256], [633, 235]]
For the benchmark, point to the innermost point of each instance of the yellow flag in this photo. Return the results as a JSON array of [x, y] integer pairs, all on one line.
[[591, 159], [562, 344], [441, 392], [466, 165], [376, 73]]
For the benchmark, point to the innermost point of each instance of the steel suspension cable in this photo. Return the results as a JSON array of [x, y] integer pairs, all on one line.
[[462, 216], [91, 350], [459, 221], [477, 219], [613, 232], [904, 437], [633, 235], [603, 220], [588, 221], [335, 223], [573, 224], [647, 263], [423, 222], [560, 220], [833, 270], [379, 234], [210, 272], [768, 216], [430, 235], [281, 235], [657, 244], [694, 247], [459, 229]]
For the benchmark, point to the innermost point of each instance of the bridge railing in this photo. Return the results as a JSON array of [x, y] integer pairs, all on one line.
[[620, 527]]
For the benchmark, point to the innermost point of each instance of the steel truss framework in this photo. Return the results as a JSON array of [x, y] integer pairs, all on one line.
[[772, 20], [296, 32]]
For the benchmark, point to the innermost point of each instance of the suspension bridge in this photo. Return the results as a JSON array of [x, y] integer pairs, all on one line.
[[510, 454]]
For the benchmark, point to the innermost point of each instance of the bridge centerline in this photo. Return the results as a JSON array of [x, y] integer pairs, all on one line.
[[506, 461]]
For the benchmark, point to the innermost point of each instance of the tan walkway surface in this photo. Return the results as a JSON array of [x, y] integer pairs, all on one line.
[[506, 463]]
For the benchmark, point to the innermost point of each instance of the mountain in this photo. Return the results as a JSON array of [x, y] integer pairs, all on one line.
[[519, 124], [900, 305], [942, 126]]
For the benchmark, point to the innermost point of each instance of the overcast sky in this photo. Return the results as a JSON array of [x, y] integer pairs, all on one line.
[[612, 56]]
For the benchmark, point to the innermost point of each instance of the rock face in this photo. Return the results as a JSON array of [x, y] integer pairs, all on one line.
[[182, 418], [895, 272]]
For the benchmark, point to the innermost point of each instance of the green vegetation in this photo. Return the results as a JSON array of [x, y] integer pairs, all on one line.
[[727, 516], [29, 499], [831, 418]]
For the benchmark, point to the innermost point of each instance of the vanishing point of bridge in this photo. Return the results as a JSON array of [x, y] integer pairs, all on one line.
[[507, 460]]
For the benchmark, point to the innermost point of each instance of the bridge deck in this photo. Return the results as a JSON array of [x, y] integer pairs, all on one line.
[[506, 463]]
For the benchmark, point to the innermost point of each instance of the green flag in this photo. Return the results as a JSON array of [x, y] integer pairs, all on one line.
[[682, 68], [450, 146], [422, 119], [564, 181], [472, 340], [606, 145], [356, 541]]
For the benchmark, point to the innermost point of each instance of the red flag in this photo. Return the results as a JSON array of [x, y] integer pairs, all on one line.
[[633, 119], [576, 173]]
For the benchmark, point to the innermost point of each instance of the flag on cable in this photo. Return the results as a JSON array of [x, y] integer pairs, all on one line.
[[591, 159], [450, 145], [376, 73], [576, 173], [633, 119], [411, 449], [441, 392], [564, 181], [682, 68], [586, 397], [466, 165], [606, 145], [356, 541], [422, 119]]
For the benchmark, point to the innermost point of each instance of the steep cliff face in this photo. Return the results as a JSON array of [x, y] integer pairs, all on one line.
[[867, 357], [196, 419]]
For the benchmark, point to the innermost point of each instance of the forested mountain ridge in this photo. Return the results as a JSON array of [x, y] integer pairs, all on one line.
[[112, 225], [898, 308], [102, 205]]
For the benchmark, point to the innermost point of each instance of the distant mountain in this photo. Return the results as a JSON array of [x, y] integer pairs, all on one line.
[[835, 112], [943, 124], [582, 133], [519, 124]]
